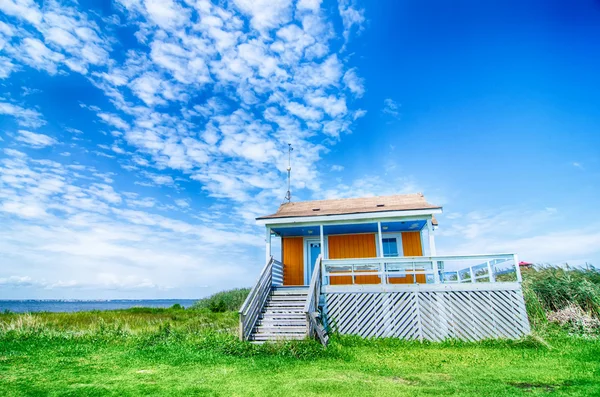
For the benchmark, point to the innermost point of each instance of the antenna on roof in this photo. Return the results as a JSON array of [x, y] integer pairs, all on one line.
[[288, 195]]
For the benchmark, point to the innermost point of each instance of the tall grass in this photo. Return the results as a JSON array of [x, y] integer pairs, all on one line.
[[555, 288], [223, 301]]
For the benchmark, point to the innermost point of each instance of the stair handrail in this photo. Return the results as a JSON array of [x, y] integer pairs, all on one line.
[[312, 303], [255, 301]]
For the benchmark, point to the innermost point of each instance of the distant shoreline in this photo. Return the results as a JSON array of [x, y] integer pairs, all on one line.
[[76, 305]]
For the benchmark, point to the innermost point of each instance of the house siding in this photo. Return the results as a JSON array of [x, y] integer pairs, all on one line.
[[293, 260], [353, 246], [411, 244]]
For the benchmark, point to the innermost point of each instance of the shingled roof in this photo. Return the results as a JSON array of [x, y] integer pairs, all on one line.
[[399, 202]]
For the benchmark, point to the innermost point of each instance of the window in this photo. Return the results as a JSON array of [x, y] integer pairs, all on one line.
[[390, 247]]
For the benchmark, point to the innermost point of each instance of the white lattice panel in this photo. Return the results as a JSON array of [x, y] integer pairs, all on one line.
[[429, 315]]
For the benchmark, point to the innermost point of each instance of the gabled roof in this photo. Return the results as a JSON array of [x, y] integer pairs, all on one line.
[[399, 202]]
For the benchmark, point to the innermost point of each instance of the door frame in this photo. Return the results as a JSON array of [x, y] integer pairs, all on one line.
[[307, 264]]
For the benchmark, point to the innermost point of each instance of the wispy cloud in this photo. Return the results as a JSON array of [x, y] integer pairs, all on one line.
[[353, 17], [35, 140], [391, 108]]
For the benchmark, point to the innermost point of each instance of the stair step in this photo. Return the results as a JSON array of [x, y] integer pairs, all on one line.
[[288, 298], [288, 292], [260, 330], [275, 337], [283, 316], [285, 304], [282, 322]]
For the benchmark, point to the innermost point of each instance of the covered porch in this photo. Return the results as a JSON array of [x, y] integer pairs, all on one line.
[[300, 245]]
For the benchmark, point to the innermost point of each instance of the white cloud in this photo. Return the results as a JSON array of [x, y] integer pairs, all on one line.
[[369, 186], [114, 121], [182, 203], [354, 83], [35, 140], [26, 9], [337, 168], [351, 17], [391, 107], [166, 13], [266, 14], [25, 117], [6, 67], [78, 236], [304, 112], [312, 5]]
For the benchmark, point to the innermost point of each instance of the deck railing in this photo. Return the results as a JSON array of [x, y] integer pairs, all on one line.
[[311, 308], [257, 297], [421, 269]]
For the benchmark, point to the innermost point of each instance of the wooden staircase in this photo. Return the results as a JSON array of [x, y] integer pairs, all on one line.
[[283, 316], [272, 312]]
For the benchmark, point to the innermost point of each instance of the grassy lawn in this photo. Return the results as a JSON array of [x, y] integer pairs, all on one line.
[[195, 352]]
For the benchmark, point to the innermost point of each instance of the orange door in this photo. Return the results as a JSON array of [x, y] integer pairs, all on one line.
[[293, 260], [352, 246]]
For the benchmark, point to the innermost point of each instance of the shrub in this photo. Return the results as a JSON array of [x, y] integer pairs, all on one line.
[[223, 301]]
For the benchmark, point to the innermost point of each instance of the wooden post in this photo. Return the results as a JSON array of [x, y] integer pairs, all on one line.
[[268, 242], [432, 250], [436, 271], [381, 263], [322, 241], [517, 268], [491, 276]]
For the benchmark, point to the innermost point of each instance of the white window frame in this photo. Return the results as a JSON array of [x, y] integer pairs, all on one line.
[[398, 236]]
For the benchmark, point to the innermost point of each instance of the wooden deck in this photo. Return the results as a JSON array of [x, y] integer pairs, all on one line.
[[466, 304]]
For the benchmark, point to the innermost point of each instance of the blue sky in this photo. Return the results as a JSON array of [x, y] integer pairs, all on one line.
[[140, 138]]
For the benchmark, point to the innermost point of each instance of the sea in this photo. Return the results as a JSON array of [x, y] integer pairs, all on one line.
[[23, 306]]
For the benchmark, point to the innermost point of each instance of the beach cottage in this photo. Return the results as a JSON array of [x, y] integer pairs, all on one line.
[[369, 266]]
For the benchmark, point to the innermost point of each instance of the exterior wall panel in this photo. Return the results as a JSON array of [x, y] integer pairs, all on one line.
[[353, 246], [293, 260], [411, 244]]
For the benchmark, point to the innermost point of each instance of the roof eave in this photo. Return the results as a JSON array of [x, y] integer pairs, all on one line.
[[350, 216]]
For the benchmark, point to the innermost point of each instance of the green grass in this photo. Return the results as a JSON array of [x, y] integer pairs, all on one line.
[[195, 352], [174, 351]]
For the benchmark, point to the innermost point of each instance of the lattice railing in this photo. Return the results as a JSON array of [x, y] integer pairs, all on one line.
[[462, 313]]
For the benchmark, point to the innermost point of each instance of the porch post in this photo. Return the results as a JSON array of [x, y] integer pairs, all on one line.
[[381, 264], [322, 241], [379, 239], [432, 251], [268, 241], [517, 268]]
